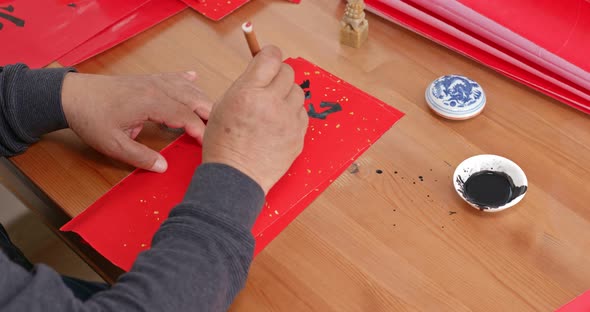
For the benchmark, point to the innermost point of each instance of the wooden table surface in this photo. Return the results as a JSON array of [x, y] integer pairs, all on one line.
[[375, 242]]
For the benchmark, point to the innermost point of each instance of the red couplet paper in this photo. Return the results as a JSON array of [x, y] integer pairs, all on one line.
[[215, 9], [142, 19], [579, 304], [344, 122], [39, 32]]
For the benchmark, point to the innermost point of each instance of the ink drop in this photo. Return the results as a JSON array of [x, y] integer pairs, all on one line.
[[491, 189]]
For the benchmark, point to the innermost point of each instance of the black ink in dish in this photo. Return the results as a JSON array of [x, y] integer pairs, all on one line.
[[490, 189]]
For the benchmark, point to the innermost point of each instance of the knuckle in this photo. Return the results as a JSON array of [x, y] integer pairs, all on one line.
[[253, 101], [298, 94], [270, 52], [245, 96], [276, 100], [300, 148], [114, 148], [303, 117], [305, 122], [151, 89], [297, 90], [289, 71], [265, 74]]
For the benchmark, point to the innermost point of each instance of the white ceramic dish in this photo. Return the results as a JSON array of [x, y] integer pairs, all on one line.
[[493, 163]]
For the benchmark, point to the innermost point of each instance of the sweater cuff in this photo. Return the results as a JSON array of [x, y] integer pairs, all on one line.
[[228, 192], [38, 94]]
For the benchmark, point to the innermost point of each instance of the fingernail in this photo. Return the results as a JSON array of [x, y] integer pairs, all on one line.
[[191, 75], [160, 165]]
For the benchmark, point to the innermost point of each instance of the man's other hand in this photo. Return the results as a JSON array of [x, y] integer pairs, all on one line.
[[108, 112]]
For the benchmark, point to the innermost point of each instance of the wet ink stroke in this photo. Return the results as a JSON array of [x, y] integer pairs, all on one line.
[[311, 112], [11, 18]]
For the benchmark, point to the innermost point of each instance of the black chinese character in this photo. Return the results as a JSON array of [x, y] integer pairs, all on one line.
[[15, 20], [305, 85], [333, 107]]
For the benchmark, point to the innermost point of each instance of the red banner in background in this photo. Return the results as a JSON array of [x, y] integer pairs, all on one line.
[[39, 32], [135, 23], [448, 33]]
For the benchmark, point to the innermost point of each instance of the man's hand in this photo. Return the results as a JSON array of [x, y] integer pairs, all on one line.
[[108, 112], [259, 124]]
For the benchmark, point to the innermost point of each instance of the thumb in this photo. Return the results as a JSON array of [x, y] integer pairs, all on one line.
[[137, 154]]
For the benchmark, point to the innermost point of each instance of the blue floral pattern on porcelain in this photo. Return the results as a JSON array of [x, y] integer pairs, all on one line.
[[457, 91]]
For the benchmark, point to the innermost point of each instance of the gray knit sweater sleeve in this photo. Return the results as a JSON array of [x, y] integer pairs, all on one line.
[[30, 106], [199, 258]]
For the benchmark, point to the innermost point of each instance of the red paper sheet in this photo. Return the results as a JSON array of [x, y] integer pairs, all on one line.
[[579, 304], [39, 32], [560, 27], [142, 19], [121, 223], [489, 58], [218, 9], [504, 35], [215, 9]]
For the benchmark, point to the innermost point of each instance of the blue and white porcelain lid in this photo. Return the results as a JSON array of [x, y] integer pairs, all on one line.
[[455, 97]]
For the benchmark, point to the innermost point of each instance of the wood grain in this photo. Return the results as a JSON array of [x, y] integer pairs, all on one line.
[[378, 242]]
